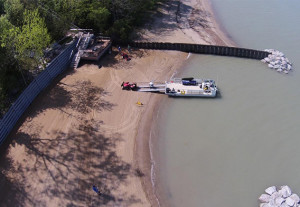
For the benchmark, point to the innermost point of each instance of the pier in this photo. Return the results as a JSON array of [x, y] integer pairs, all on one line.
[[155, 87], [91, 48]]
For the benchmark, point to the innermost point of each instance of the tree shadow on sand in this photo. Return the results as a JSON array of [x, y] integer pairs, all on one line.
[[174, 14], [62, 167], [12, 192], [163, 20], [87, 97], [67, 167], [82, 97]]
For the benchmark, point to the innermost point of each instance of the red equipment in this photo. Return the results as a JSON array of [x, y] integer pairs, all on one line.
[[129, 86], [133, 86]]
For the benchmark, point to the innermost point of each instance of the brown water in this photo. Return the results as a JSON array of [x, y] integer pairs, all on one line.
[[226, 151]]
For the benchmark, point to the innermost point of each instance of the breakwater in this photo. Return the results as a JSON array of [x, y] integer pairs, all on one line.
[[201, 49]]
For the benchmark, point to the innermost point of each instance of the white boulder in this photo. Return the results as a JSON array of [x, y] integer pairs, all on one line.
[[284, 205], [286, 191], [264, 198], [264, 205], [290, 201], [270, 190], [279, 201], [295, 197]]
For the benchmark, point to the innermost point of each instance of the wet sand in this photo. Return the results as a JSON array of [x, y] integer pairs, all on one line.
[[84, 130]]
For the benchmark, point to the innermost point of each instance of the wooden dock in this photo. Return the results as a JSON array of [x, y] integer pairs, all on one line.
[[155, 88]]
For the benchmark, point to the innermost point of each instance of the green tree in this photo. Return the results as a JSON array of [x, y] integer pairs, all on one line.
[[9, 74], [1, 7], [32, 38], [99, 19], [14, 10], [7, 38]]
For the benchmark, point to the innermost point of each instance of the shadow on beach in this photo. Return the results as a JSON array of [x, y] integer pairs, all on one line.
[[66, 167], [62, 167]]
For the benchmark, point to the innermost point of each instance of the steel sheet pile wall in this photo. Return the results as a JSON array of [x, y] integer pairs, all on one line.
[[56, 67], [203, 49]]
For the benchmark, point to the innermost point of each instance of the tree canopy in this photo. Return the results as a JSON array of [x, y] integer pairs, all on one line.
[[32, 38], [27, 27]]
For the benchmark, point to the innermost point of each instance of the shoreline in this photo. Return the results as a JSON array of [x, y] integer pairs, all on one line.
[[145, 146], [83, 130]]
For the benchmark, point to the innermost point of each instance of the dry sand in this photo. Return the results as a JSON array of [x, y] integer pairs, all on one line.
[[84, 130]]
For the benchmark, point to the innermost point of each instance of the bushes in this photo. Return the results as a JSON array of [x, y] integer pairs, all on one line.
[[115, 18], [121, 29]]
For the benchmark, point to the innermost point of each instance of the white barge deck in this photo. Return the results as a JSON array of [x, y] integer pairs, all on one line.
[[184, 87], [191, 87]]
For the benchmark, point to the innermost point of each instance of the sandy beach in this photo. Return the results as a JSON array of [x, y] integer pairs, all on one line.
[[84, 130]]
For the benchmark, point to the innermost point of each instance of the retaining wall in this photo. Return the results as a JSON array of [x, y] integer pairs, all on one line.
[[56, 67], [202, 49]]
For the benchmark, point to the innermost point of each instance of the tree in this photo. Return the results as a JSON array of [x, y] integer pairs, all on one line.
[[32, 38], [99, 19], [7, 38], [14, 10], [1, 7], [9, 74]]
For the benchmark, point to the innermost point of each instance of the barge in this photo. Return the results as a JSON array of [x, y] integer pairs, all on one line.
[[190, 87]]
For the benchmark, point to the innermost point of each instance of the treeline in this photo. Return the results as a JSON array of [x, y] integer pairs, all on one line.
[[27, 27]]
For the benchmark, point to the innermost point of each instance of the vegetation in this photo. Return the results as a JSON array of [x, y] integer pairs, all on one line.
[[28, 27]]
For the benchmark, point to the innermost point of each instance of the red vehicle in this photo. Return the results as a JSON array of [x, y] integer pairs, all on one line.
[[133, 86], [125, 56], [125, 86], [129, 86]]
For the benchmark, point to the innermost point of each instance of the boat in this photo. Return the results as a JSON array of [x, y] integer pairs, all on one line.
[[191, 87]]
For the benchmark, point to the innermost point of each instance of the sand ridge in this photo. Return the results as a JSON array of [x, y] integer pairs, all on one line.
[[84, 130]]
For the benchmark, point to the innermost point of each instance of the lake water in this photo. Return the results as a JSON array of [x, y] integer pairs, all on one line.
[[226, 151]]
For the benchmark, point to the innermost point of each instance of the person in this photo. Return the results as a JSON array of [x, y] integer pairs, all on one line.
[[151, 84], [129, 49], [96, 190], [119, 48]]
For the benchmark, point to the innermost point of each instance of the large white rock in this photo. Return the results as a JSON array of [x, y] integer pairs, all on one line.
[[264, 205], [290, 201], [280, 192], [270, 190], [284, 205], [295, 197], [264, 198], [279, 201], [286, 191]]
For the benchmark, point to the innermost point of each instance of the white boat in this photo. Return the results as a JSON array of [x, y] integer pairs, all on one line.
[[190, 87]]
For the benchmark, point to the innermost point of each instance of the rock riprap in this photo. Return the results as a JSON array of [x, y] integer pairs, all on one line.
[[282, 197], [277, 60]]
